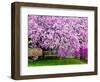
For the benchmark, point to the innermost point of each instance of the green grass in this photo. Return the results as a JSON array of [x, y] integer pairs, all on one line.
[[54, 61]]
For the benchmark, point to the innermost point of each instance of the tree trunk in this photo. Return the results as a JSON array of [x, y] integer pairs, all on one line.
[[43, 56], [81, 57]]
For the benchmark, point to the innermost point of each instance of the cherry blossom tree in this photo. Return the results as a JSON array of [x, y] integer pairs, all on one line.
[[67, 34]]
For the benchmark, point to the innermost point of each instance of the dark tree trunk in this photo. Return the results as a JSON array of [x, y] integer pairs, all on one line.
[[43, 56], [81, 55]]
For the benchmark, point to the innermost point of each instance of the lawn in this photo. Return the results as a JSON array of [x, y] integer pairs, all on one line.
[[48, 61]]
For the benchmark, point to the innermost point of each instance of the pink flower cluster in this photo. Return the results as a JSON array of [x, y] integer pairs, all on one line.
[[58, 32]]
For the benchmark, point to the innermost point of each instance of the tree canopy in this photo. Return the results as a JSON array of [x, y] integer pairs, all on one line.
[[67, 34]]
